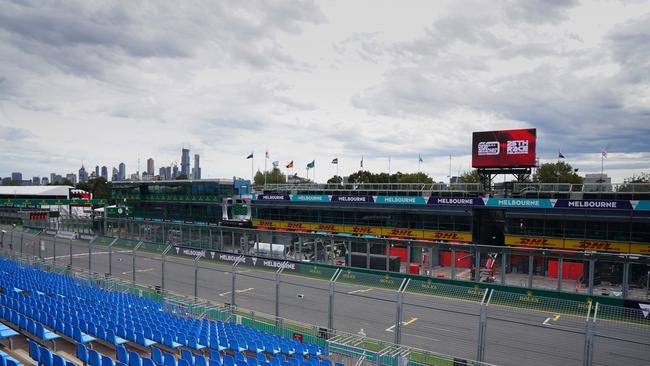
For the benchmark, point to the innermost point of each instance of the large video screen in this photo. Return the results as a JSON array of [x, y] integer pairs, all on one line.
[[504, 149]]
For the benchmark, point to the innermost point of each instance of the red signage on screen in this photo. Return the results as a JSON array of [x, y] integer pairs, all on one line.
[[504, 149]]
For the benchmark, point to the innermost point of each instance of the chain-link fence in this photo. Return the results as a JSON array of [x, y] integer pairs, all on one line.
[[365, 316]]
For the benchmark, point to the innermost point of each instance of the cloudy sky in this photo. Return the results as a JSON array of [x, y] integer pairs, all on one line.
[[103, 82]]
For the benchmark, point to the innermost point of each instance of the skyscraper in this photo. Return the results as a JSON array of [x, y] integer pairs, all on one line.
[[168, 173], [174, 172], [83, 175], [196, 171], [17, 177], [150, 167], [116, 175], [36, 181], [96, 171], [44, 181], [162, 172], [72, 178], [122, 172], [53, 177], [185, 162], [105, 172]]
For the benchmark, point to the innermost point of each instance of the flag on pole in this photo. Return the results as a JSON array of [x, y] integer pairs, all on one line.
[[335, 161], [604, 153], [250, 156], [312, 164], [420, 159], [362, 161], [290, 165], [267, 154], [559, 155], [275, 164]]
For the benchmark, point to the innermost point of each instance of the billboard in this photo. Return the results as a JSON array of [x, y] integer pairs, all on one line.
[[504, 148]]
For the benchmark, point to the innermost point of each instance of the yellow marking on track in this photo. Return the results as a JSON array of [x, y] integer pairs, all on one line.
[[410, 321], [556, 317]]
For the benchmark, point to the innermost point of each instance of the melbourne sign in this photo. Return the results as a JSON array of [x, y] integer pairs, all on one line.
[[247, 260]]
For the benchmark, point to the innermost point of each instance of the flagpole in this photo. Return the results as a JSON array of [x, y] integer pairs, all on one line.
[[265, 160], [252, 167]]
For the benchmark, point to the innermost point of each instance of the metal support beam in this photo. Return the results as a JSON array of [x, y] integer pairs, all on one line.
[[592, 267], [367, 253], [560, 268], [162, 267], [135, 248], [531, 265], [626, 277], [398, 310], [504, 263], [453, 262], [330, 305]]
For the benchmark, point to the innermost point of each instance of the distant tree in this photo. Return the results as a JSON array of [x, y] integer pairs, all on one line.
[[470, 177], [275, 176], [97, 186], [630, 182], [62, 182], [181, 176], [641, 178], [415, 178], [335, 180], [362, 176], [559, 172]]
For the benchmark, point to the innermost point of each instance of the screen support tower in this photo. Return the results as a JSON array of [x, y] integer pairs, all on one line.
[[488, 174]]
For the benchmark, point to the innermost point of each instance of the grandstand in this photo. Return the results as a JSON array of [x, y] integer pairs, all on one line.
[[57, 320]]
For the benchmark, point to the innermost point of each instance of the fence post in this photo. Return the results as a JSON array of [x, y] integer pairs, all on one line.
[[330, 307], [480, 346], [196, 275], [589, 337], [136, 247], [90, 256], [277, 290], [70, 247], [110, 257], [233, 272], [626, 277], [398, 315], [54, 251], [162, 267]]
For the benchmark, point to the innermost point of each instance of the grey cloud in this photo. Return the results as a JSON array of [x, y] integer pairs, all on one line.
[[87, 38], [538, 11], [14, 134]]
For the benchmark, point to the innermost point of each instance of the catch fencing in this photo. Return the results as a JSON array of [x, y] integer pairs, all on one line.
[[362, 317]]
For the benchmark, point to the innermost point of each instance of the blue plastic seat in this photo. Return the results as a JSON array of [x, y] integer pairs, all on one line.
[[199, 360], [122, 354], [187, 356], [46, 357], [81, 337], [147, 362], [183, 362], [94, 359], [157, 356], [140, 339], [215, 362], [107, 361], [241, 363], [228, 360], [82, 353], [170, 360], [34, 351], [57, 360], [134, 359]]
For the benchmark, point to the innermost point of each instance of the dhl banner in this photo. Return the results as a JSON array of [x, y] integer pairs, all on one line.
[[640, 249], [463, 237], [598, 245], [577, 244], [533, 241]]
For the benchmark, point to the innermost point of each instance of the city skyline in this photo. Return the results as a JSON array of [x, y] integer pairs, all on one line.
[[315, 83]]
